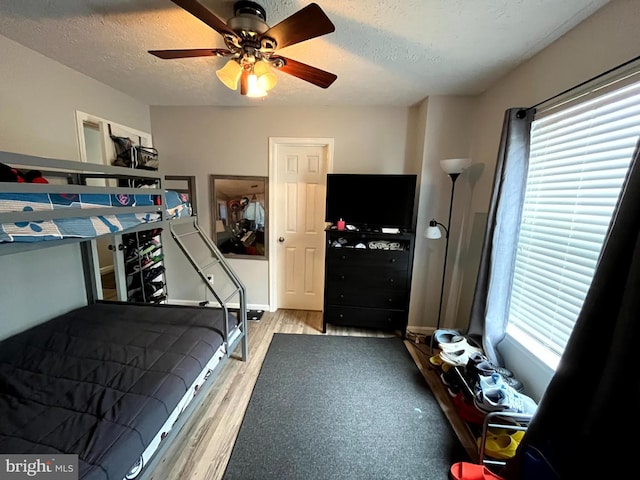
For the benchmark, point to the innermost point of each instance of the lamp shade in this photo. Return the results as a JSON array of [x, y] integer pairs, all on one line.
[[433, 232], [230, 74], [266, 78], [454, 165]]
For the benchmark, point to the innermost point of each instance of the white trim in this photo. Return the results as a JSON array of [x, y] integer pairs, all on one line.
[[421, 330], [190, 303], [103, 127], [274, 143], [107, 149]]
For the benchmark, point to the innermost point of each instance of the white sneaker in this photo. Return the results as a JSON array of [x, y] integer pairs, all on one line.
[[458, 358], [487, 382], [452, 343], [503, 398]]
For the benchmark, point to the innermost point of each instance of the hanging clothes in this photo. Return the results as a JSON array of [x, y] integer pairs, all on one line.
[[255, 213]]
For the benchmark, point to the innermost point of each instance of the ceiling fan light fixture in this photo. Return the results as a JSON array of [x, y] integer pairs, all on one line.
[[266, 78], [248, 38], [230, 74], [253, 90]]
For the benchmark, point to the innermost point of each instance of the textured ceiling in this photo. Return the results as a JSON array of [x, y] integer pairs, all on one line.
[[384, 52]]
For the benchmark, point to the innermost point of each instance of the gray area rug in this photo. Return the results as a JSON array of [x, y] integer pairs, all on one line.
[[329, 407]]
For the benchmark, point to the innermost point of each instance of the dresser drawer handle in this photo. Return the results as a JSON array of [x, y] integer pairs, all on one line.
[[391, 280], [390, 300], [343, 257], [393, 260], [341, 296], [341, 315]]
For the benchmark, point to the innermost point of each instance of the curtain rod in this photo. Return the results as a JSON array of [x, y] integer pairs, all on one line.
[[522, 112]]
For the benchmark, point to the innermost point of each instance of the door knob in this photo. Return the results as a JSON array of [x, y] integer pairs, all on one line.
[[281, 239]]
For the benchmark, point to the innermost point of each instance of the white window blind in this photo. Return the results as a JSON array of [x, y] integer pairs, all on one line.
[[578, 162]]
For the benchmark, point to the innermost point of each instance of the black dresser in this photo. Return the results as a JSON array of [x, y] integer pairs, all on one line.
[[367, 280]]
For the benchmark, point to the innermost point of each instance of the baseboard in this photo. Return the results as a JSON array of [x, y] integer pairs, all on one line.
[[105, 270], [253, 306], [421, 330]]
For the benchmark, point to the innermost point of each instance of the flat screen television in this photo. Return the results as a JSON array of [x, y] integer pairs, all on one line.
[[371, 200]]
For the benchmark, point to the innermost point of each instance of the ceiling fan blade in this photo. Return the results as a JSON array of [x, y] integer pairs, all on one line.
[[306, 72], [205, 15], [192, 52], [310, 22]]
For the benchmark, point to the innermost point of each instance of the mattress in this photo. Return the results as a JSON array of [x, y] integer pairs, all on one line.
[[100, 381], [81, 226]]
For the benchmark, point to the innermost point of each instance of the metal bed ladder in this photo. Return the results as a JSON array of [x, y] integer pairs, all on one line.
[[218, 277]]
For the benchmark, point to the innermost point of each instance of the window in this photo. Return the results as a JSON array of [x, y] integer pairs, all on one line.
[[578, 162]]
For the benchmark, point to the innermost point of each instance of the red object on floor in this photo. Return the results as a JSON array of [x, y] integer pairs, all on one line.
[[467, 411], [471, 471]]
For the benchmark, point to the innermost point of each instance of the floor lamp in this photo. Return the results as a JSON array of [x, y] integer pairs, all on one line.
[[452, 167]]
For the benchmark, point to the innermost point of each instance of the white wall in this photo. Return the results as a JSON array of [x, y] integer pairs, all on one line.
[[38, 100], [202, 141], [605, 40], [445, 124]]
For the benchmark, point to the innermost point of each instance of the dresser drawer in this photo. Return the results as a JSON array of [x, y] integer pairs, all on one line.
[[366, 317], [366, 278], [354, 295], [373, 258]]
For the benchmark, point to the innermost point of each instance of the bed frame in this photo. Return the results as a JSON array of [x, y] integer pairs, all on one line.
[[85, 180]]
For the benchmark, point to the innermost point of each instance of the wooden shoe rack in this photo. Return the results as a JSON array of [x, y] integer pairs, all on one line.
[[467, 433]]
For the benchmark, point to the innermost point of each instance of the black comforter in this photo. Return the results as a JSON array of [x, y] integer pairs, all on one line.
[[101, 380]]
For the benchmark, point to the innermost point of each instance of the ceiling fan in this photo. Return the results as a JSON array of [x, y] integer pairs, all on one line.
[[252, 45]]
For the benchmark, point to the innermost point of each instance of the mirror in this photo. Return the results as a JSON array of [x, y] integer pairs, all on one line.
[[239, 215]]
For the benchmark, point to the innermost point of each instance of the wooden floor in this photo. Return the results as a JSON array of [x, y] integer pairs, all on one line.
[[203, 447]]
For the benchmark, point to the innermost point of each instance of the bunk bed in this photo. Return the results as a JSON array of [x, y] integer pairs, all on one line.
[[112, 382]]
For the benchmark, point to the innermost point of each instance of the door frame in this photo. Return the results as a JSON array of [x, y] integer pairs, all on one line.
[[274, 144], [107, 153]]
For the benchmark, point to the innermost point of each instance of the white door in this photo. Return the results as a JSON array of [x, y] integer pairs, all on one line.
[[299, 188]]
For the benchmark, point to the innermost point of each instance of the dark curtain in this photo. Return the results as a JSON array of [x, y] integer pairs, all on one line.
[[493, 285], [586, 425]]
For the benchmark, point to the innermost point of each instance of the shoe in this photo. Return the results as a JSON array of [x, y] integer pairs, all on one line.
[[490, 381], [451, 379], [480, 358], [436, 362], [502, 398], [499, 447], [471, 471], [466, 410], [458, 358], [459, 342], [479, 366], [514, 383], [443, 336], [501, 443], [496, 379]]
